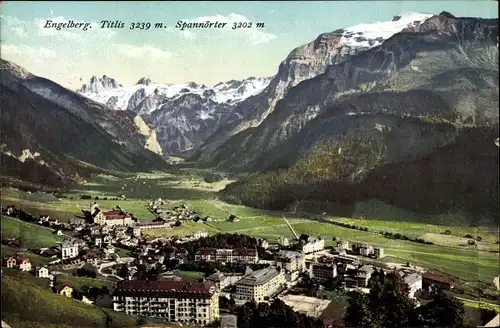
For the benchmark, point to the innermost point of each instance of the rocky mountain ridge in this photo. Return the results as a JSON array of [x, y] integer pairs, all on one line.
[[182, 115], [454, 61], [306, 62]]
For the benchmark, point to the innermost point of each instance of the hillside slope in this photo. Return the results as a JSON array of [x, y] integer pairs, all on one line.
[[47, 132], [27, 305]]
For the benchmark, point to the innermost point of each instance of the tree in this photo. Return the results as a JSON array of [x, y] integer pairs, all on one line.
[[443, 311], [387, 304]]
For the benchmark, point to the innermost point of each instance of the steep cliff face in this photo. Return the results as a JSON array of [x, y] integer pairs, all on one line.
[[452, 61], [151, 141]]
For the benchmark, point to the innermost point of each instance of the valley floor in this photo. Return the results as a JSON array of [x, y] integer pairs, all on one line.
[[473, 266]]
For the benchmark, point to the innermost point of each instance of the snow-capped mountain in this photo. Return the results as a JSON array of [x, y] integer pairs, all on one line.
[[145, 96], [183, 115], [308, 61]]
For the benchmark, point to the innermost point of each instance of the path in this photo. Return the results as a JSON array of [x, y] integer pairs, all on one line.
[[480, 302], [110, 264]]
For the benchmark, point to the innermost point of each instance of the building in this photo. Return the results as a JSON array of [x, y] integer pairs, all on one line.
[[139, 226], [176, 301], [292, 263], [323, 271], [228, 321], [42, 272], [111, 218], [18, 261], [24, 263], [366, 250], [237, 255], [430, 280], [283, 241], [218, 280], [68, 250], [10, 262], [260, 284], [378, 252], [200, 234], [313, 245], [343, 243], [65, 289], [360, 278], [414, 282]]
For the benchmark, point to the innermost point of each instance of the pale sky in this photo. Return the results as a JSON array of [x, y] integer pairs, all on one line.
[[71, 56]]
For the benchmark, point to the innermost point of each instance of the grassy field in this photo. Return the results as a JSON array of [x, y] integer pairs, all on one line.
[[189, 275], [27, 305], [32, 235], [78, 282]]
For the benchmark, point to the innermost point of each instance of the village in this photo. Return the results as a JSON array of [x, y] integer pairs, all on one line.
[[237, 268]]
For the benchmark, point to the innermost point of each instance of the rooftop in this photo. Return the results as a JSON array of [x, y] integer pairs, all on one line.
[[412, 278], [148, 287], [259, 277], [288, 254], [437, 278]]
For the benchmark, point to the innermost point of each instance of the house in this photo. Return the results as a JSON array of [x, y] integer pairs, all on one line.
[[263, 243], [42, 272], [65, 289], [283, 241], [110, 249], [366, 250], [10, 262], [414, 282], [360, 278], [59, 232], [233, 218], [98, 241], [219, 280], [91, 258], [200, 234], [18, 261], [431, 280], [53, 221], [95, 230], [378, 252], [68, 250]]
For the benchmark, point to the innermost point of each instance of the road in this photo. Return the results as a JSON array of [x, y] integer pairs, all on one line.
[[119, 260]]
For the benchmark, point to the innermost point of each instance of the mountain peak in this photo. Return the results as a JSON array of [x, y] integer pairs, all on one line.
[[99, 84], [144, 80]]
